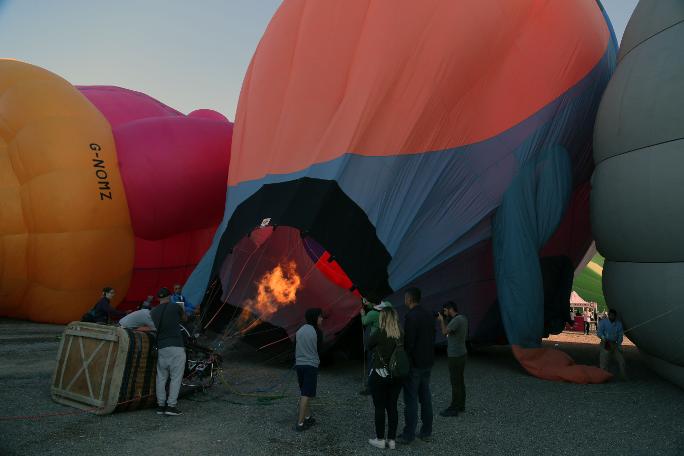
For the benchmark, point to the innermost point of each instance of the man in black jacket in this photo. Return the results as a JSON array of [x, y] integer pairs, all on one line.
[[419, 342], [171, 354]]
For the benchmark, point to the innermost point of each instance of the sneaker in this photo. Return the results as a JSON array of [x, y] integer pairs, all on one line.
[[161, 409], [310, 421], [301, 427], [173, 411], [449, 412], [425, 438], [403, 440], [391, 444], [377, 443]]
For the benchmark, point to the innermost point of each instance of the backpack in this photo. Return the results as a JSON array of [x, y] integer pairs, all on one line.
[[399, 362], [89, 317]]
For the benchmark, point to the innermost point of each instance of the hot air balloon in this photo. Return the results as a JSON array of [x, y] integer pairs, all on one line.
[[636, 204], [101, 186], [439, 144]]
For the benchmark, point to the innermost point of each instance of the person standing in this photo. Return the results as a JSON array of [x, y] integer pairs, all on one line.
[[179, 298], [587, 320], [308, 340], [384, 388], [419, 341], [369, 320], [611, 333], [171, 352], [571, 320], [455, 328]]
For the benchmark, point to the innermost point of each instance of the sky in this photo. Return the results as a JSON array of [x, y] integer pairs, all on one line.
[[189, 55]]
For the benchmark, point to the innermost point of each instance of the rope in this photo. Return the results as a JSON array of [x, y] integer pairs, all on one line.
[[273, 343], [230, 388], [229, 293], [232, 322], [650, 320]]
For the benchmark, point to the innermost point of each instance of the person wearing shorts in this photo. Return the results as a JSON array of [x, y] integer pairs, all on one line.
[[307, 342]]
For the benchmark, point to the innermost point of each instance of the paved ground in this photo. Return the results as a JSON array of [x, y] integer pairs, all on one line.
[[508, 412]]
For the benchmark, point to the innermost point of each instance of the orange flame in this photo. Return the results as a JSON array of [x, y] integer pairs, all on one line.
[[275, 289]]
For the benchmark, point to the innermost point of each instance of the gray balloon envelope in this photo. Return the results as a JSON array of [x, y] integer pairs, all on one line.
[[637, 202]]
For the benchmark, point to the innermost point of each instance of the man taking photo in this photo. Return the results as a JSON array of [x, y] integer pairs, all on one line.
[[455, 328]]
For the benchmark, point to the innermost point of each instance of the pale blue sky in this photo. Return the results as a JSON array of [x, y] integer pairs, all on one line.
[[187, 54]]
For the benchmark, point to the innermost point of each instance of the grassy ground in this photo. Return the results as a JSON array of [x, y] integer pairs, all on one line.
[[508, 411], [588, 283]]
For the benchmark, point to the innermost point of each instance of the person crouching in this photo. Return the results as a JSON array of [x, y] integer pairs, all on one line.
[[308, 340], [140, 320], [384, 388]]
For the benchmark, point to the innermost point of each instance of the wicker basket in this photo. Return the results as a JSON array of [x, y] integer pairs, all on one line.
[[105, 369]]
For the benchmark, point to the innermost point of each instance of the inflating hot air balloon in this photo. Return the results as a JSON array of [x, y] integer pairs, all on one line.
[[637, 206], [440, 144], [100, 186]]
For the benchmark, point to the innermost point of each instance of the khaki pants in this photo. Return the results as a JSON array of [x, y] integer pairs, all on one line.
[[607, 355], [170, 364]]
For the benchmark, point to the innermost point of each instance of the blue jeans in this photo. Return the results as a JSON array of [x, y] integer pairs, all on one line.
[[417, 389]]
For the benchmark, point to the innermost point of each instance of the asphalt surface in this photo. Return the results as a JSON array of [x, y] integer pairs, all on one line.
[[508, 411]]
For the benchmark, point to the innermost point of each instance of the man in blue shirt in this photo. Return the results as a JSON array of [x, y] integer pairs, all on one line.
[[178, 298], [610, 332]]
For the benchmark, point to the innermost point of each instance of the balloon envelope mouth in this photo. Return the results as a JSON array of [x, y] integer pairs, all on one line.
[[321, 211], [270, 278]]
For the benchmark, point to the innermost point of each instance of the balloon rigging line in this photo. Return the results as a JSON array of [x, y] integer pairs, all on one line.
[[235, 284], [232, 322], [273, 343], [226, 300], [654, 318]]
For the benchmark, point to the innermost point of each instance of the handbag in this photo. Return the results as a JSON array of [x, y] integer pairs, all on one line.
[[89, 317], [398, 365], [399, 362]]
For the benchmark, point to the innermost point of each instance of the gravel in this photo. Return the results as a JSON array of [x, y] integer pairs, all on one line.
[[508, 411]]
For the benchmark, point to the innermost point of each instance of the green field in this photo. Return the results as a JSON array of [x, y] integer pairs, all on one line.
[[598, 259], [588, 285]]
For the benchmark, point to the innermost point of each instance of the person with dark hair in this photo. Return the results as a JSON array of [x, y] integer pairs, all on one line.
[[171, 352], [103, 312], [419, 341], [455, 328], [384, 387], [308, 341], [147, 303], [611, 333]]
